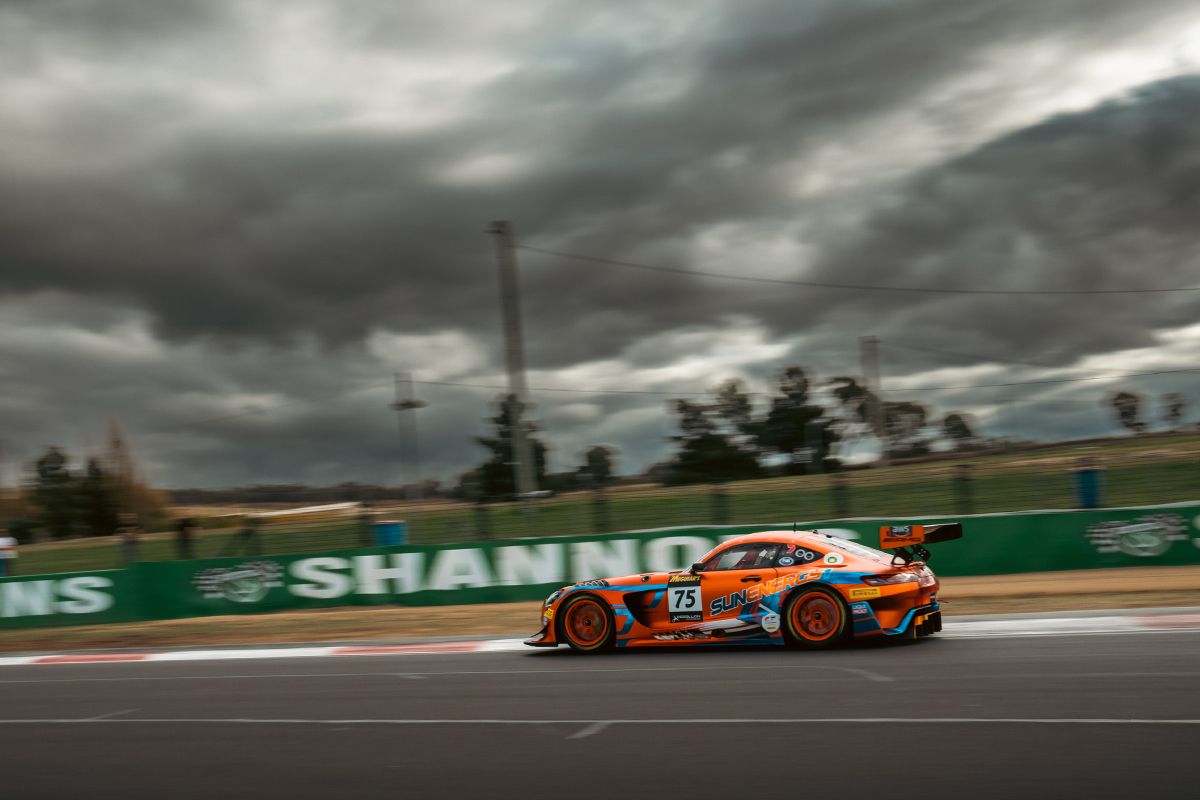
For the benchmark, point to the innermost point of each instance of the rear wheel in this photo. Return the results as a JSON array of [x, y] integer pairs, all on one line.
[[586, 624], [815, 619]]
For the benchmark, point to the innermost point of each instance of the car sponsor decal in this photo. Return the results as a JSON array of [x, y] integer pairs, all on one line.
[[683, 599], [860, 609], [754, 594], [1146, 536], [770, 622], [794, 554], [864, 592], [244, 583]]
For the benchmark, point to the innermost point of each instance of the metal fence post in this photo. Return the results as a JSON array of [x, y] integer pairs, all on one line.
[[964, 498], [600, 519], [366, 527], [720, 505], [839, 488], [483, 522]]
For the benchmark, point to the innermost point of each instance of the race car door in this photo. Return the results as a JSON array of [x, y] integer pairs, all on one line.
[[732, 579]]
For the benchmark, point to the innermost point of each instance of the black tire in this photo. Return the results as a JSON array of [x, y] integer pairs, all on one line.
[[586, 623], [816, 619]]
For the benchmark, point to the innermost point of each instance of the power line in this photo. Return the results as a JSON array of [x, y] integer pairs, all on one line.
[[1052, 380], [634, 392], [264, 409], [498, 387], [335, 395], [976, 357], [857, 287]]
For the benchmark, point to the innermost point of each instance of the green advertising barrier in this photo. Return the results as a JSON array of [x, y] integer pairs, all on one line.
[[1049, 541], [529, 569], [73, 598], [491, 572]]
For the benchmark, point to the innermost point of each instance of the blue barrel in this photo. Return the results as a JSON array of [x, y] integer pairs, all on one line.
[[1087, 487], [390, 532]]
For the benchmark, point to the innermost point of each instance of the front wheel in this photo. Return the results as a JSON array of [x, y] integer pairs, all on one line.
[[586, 624], [815, 619]]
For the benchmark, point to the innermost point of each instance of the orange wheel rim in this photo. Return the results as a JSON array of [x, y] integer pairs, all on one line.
[[587, 623], [816, 617]]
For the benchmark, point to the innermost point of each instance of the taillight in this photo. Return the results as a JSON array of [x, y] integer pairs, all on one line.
[[885, 580]]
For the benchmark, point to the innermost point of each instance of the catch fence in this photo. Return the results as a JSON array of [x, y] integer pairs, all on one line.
[[1140, 471]]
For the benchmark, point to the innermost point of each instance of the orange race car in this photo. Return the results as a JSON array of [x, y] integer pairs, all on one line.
[[801, 588]]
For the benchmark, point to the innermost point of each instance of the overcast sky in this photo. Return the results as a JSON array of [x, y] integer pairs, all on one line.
[[227, 224]]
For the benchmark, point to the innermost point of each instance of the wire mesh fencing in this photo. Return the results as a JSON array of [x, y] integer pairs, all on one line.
[[1081, 475], [1144, 470]]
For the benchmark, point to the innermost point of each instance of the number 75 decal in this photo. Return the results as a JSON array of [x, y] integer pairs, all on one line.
[[683, 598]]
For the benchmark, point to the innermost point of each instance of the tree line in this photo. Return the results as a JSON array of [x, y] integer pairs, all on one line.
[[65, 502], [723, 437]]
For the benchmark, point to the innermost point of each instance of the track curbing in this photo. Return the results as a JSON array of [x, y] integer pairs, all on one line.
[[1175, 620]]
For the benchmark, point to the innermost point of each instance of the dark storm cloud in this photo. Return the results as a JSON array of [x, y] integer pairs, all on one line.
[[111, 24], [268, 237], [240, 231], [168, 163], [1101, 199]]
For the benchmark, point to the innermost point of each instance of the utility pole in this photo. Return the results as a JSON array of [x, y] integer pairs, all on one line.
[[3, 472], [514, 349], [869, 351], [408, 430]]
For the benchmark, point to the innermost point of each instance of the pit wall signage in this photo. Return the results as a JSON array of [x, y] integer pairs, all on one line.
[[504, 571], [529, 569], [69, 599]]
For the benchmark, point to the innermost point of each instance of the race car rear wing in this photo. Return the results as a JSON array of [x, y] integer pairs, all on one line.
[[908, 540]]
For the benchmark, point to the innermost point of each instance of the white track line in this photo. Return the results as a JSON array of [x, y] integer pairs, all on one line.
[[954, 629], [223, 655], [608, 722], [777, 669], [112, 714]]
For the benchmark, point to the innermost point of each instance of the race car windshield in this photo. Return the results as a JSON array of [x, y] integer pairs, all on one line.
[[746, 556]]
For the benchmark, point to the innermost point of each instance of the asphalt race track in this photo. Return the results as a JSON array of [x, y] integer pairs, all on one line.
[[1055, 717]]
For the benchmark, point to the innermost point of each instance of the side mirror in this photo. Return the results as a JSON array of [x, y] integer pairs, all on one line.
[[696, 568]]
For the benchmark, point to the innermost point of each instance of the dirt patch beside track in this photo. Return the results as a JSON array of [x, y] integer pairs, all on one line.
[[1134, 587]]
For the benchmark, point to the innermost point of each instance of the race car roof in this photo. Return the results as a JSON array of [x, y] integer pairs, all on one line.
[[811, 538], [787, 537]]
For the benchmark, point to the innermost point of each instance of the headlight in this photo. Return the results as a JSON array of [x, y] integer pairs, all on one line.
[[885, 580], [557, 593]]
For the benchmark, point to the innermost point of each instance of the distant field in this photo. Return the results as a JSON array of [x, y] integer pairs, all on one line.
[[1137, 471]]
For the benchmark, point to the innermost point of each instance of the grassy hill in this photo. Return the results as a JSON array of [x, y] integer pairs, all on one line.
[[1136, 471]]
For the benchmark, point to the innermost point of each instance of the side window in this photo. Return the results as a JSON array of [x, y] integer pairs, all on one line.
[[744, 556], [791, 555]]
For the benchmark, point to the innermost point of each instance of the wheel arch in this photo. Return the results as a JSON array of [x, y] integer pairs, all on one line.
[[795, 593], [564, 608]]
